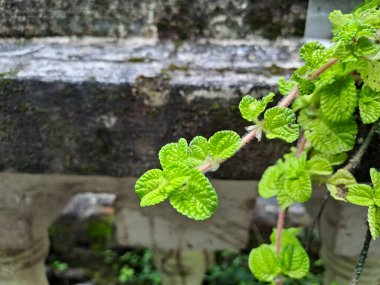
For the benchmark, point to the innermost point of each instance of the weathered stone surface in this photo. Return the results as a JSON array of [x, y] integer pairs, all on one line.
[[97, 107], [175, 19]]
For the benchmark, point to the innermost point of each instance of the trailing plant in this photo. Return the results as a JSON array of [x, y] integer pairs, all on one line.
[[336, 89]]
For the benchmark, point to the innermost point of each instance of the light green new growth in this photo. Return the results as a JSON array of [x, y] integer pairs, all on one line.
[[293, 260], [338, 96], [280, 123], [331, 137], [188, 190], [264, 263], [197, 199], [251, 108], [369, 105], [224, 144], [365, 195]]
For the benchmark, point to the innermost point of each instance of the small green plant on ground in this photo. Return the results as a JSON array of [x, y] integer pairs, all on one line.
[[337, 89]]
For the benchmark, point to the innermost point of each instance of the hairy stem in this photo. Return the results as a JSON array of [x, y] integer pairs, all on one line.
[[355, 160], [283, 103], [363, 255]]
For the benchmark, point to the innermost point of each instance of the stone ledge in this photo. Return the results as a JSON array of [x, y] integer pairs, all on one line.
[[99, 106]]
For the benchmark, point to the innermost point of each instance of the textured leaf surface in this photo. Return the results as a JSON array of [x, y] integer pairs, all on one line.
[[375, 178], [370, 75], [197, 199], [251, 108], [198, 151], [360, 194], [280, 123], [176, 176], [314, 54], [264, 263], [297, 188], [374, 221], [269, 183], [173, 153], [150, 187], [331, 137], [288, 236], [285, 86], [338, 99], [224, 144], [319, 166], [334, 159], [294, 261], [369, 105]]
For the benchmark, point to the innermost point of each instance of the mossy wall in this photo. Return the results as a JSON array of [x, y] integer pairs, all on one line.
[[175, 19]]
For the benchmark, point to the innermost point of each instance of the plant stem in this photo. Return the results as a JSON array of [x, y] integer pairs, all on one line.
[[363, 255], [354, 161], [282, 214], [280, 226], [283, 103]]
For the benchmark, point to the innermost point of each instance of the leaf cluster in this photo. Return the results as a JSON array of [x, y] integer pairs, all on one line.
[[180, 181], [292, 260]]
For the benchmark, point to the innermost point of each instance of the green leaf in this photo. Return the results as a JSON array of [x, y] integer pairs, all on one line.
[[198, 151], [270, 181], [224, 144], [173, 153], [375, 178], [334, 159], [370, 75], [369, 105], [251, 108], [176, 176], [264, 263], [305, 86], [360, 194], [293, 258], [338, 184], [331, 137], [294, 261], [338, 19], [336, 97], [305, 117], [279, 122], [374, 221], [288, 236], [302, 102], [297, 188], [315, 54], [319, 166], [351, 30], [370, 15], [197, 199], [151, 188], [284, 86], [365, 46]]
